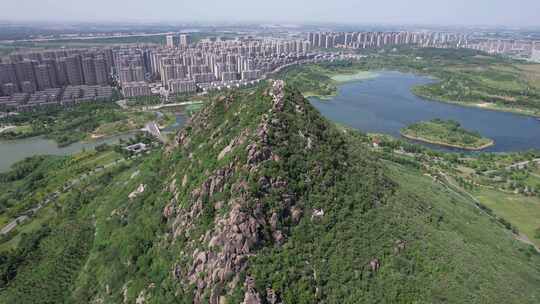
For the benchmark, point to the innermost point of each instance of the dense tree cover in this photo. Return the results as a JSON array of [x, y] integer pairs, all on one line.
[[10, 261], [432, 245], [366, 217], [23, 180], [46, 262]]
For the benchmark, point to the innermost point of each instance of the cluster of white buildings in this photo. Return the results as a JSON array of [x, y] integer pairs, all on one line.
[[366, 40], [183, 67], [518, 48]]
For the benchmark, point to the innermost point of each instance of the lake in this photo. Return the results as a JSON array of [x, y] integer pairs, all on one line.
[[385, 104], [12, 151]]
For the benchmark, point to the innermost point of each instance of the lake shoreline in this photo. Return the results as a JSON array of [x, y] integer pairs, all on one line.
[[483, 105], [386, 105], [414, 90]]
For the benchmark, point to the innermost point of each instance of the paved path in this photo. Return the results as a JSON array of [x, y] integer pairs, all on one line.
[[522, 164], [168, 105], [54, 195], [457, 190], [3, 129]]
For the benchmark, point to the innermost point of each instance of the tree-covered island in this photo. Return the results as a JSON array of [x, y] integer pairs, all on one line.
[[447, 133]]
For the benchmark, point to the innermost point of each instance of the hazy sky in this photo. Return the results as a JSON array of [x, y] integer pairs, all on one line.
[[444, 12]]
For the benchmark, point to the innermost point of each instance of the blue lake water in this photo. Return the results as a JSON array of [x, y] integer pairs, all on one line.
[[12, 151], [385, 104]]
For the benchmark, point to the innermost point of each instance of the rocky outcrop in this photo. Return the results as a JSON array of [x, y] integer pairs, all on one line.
[[242, 223], [140, 189], [212, 185], [251, 296], [237, 141]]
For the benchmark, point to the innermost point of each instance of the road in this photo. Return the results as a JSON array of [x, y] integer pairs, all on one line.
[[522, 164], [168, 105], [3, 129]]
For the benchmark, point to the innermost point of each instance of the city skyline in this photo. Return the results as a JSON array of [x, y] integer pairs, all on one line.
[[421, 12]]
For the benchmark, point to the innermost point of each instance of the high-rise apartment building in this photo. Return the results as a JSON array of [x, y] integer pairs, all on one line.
[[171, 41], [43, 79], [185, 40], [100, 66], [74, 70], [89, 71], [8, 76], [25, 73]]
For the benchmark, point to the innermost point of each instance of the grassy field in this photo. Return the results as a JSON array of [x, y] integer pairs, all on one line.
[[523, 212], [134, 121], [531, 72], [360, 75]]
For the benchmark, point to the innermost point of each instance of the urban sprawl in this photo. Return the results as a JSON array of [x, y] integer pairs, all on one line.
[[65, 77]]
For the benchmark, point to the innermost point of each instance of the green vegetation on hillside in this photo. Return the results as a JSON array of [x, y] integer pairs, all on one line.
[[446, 133], [261, 197], [504, 185]]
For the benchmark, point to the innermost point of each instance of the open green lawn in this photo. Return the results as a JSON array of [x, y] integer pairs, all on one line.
[[531, 72], [21, 130], [134, 120], [521, 211], [360, 75]]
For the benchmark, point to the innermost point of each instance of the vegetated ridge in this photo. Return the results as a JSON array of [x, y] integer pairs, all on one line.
[[262, 200]]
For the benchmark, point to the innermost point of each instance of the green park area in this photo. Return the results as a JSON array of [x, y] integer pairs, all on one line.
[[520, 210], [81, 123]]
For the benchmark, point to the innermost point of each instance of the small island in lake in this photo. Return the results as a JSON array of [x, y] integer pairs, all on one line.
[[447, 133]]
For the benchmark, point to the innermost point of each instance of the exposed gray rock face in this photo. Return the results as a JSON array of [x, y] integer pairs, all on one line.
[[251, 296], [241, 223]]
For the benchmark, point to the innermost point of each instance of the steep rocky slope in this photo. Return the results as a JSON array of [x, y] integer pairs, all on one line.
[[264, 168], [262, 200], [290, 209]]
